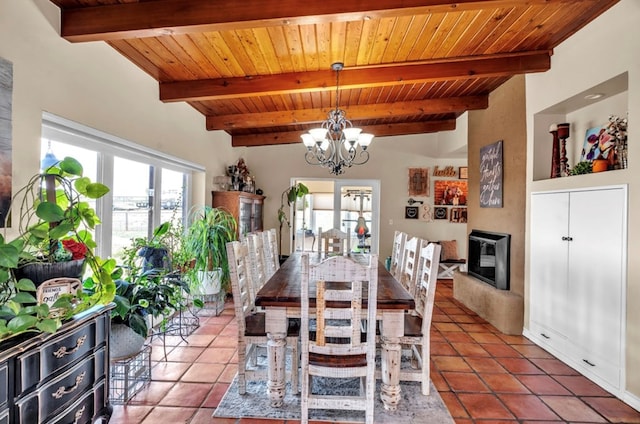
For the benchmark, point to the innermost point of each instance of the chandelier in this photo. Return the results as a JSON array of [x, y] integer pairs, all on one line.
[[336, 144]]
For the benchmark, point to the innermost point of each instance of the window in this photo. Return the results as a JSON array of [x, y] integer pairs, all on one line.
[[147, 187]]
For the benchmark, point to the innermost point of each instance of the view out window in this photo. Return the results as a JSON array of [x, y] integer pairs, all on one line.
[[144, 192]]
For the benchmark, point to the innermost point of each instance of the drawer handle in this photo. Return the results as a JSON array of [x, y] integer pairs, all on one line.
[[63, 350], [588, 363], [64, 391], [78, 414], [545, 336]]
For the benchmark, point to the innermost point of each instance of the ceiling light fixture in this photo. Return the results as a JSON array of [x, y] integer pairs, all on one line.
[[336, 144], [593, 96]]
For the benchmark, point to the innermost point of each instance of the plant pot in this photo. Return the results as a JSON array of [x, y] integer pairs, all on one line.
[[39, 272], [155, 258], [600, 165], [124, 342], [209, 282]]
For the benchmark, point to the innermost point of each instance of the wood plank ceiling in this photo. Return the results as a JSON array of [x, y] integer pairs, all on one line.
[[261, 69]]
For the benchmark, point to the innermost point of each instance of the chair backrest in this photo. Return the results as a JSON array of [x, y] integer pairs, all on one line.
[[273, 240], [267, 255], [409, 269], [428, 263], [339, 282], [238, 257], [333, 242], [399, 239], [256, 263]]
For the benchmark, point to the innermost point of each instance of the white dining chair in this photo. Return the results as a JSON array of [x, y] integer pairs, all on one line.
[[408, 273], [252, 325], [333, 343], [255, 263], [333, 242], [399, 239], [417, 326]]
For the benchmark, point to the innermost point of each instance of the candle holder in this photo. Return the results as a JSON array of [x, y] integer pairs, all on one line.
[[563, 134]]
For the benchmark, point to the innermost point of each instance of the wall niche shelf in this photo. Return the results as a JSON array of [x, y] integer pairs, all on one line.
[[587, 109]]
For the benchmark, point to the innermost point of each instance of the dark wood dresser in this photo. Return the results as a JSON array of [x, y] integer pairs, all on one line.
[[58, 378]]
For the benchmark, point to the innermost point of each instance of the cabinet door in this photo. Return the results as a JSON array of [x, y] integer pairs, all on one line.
[[596, 259], [257, 215], [548, 258], [244, 218]]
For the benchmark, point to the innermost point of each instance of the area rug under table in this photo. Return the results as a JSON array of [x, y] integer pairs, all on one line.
[[415, 408]]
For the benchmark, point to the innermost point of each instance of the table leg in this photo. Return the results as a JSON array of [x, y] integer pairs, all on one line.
[[276, 327], [392, 330]]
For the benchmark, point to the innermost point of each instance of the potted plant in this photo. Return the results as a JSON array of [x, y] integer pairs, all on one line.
[[209, 231], [54, 239], [138, 298], [290, 195], [583, 167], [149, 254]]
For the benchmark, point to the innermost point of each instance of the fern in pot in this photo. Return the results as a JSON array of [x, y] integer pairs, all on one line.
[[209, 231]]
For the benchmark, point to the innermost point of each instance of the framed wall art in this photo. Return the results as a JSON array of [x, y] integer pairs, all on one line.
[[463, 173], [6, 89], [440, 212], [411, 212], [419, 182], [491, 175], [458, 215], [450, 192]]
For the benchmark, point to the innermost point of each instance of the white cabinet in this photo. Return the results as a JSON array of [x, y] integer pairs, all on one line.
[[578, 278]]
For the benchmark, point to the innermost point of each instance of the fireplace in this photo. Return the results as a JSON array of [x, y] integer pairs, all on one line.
[[489, 257]]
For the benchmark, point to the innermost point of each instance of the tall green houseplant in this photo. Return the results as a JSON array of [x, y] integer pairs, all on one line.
[[289, 196], [209, 231]]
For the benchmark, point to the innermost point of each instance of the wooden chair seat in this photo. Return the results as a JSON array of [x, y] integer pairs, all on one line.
[[412, 325], [334, 361], [255, 325]]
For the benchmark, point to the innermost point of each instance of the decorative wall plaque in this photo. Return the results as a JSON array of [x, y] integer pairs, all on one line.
[[419, 182], [411, 212], [491, 175], [440, 213]]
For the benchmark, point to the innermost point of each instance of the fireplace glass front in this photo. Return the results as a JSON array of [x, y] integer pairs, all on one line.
[[489, 257]]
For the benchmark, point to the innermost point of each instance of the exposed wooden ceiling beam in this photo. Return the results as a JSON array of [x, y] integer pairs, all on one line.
[[354, 113], [293, 137], [166, 17], [400, 74]]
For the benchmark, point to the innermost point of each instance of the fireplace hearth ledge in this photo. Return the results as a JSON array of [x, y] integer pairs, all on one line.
[[502, 308]]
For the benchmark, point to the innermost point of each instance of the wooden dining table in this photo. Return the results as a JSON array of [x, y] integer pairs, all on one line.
[[280, 299]]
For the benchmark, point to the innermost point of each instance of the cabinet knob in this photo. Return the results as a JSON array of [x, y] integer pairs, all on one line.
[[565, 238]]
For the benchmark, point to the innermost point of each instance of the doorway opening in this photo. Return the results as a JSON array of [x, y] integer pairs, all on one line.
[[349, 205]]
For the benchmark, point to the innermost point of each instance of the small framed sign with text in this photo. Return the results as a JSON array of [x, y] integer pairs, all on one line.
[[463, 173], [411, 212]]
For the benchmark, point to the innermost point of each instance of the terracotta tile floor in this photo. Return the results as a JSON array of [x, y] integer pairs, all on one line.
[[482, 375]]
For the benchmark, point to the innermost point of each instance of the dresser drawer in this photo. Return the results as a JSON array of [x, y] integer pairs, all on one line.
[[4, 385], [81, 411], [60, 392], [39, 364]]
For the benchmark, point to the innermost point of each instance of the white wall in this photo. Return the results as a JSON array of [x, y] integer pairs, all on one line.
[[605, 48], [391, 158], [92, 84]]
